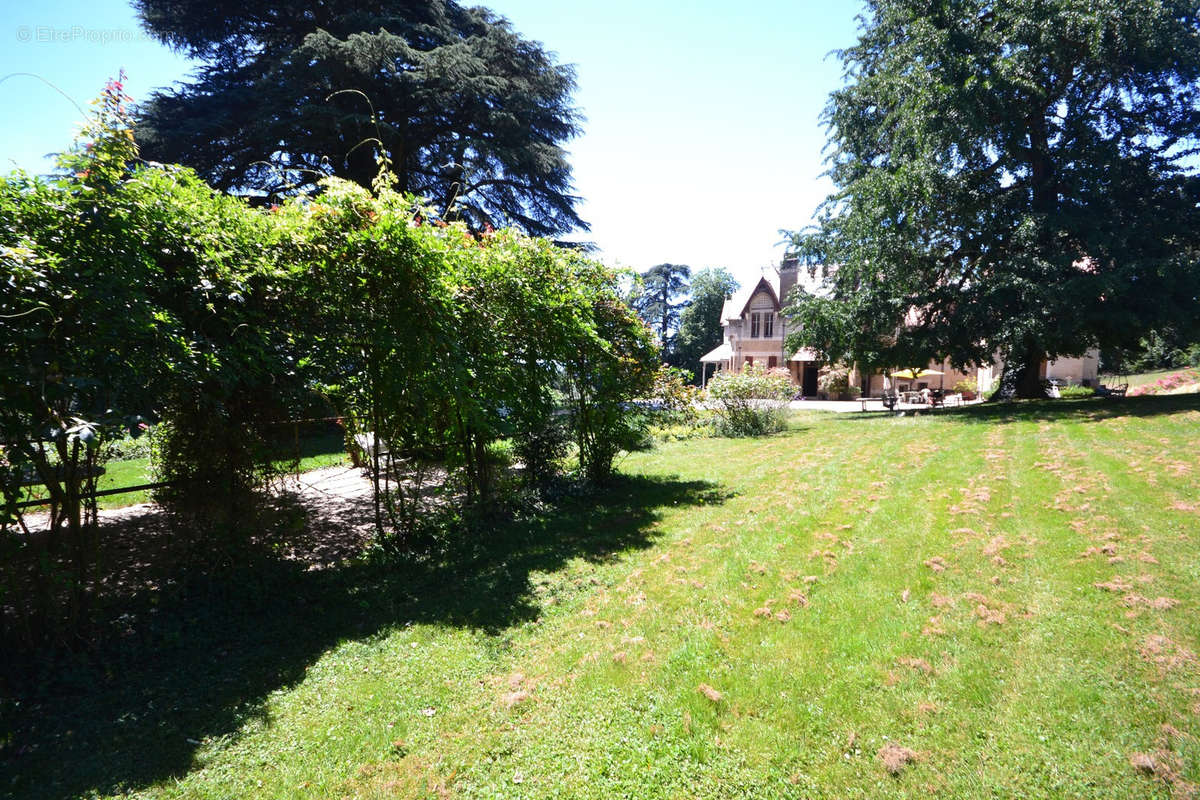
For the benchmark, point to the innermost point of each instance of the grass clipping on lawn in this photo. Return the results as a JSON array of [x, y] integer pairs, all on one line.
[[950, 584]]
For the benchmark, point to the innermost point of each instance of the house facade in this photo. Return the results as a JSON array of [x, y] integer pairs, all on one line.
[[755, 332]]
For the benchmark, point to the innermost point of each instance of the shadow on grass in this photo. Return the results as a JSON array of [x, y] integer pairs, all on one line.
[[199, 662], [1092, 409]]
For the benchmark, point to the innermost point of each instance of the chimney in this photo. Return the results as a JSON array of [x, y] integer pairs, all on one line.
[[789, 268]]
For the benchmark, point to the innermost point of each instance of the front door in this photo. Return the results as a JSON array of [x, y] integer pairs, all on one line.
[[808, 386]]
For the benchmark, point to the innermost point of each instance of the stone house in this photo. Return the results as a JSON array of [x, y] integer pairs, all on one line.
[[755, 331]]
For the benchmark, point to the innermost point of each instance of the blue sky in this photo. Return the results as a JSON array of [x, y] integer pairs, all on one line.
[[702, 136]]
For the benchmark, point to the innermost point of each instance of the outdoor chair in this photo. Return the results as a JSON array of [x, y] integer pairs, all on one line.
[[361, 452]]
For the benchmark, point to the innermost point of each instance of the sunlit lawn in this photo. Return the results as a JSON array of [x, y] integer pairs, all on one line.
[[315, 451], [1009, 597]]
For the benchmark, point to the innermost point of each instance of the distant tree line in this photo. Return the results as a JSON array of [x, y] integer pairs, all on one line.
[[1159, 349]]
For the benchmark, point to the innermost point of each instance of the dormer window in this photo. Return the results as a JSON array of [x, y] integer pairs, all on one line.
[[755, 325]]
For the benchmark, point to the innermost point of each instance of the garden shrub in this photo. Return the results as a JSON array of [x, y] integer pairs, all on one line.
[[131, 446], [218, 460], [78, 336], [132, 284], [833, 380], [542, 445], [444, 342], [968, 386], [673, 395], [752, 402], [614, 363], [1176, 382], [673, 407], [141, 295]]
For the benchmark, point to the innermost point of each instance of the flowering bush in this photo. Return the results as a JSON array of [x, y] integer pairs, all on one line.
[[833, 379], [1168, 384], [751, 402], [674, 395], [671, 409]]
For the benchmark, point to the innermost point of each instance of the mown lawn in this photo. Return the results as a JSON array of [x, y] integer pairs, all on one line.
[[1002, 601]]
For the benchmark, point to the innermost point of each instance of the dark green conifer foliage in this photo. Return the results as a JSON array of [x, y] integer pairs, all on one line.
[[472, 115], [659, 303], [1015, 177]]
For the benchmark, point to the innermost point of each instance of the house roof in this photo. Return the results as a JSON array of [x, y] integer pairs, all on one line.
[[722, 352], [736, 306]]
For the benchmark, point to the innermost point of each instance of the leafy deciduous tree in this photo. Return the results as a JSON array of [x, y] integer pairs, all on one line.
[[700, 321]]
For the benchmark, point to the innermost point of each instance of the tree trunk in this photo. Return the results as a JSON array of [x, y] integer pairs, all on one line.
[[1021, 378], [1028, 383]]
